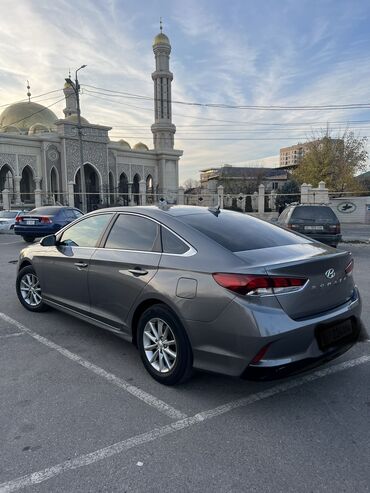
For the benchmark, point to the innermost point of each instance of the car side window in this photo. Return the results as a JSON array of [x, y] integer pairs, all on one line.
[[77, 213], [134, 232], [172, 244], [87, 232]]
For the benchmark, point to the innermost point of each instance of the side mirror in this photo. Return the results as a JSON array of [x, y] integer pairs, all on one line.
[[48, 241]]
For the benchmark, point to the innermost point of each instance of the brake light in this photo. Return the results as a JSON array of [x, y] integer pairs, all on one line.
[[348, 270], [335, 228], [18, 219], [250, 284], [45, 220]]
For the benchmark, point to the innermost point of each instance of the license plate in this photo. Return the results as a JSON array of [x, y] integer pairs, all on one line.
[[314, 228], [31, 223], [332, 335]]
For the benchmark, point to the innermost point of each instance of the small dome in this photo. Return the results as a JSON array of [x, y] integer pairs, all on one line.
[[124, 144], [161, 39], [38, 128], [11, 129], [67, 85], [140, 147], [24, 115], [73, 118]]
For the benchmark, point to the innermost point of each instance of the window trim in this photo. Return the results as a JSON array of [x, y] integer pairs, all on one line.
[[191, 250], [78, 220]]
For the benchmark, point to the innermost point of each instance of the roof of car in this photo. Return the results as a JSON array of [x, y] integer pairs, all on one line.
[[173, 210]]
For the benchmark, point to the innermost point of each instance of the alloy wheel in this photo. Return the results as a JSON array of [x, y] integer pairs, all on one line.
[[159, 345], [30, 290]]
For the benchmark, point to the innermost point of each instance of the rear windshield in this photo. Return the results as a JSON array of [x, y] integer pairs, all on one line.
[[8, 214], [44, 211], [314, 213], [239, 232]]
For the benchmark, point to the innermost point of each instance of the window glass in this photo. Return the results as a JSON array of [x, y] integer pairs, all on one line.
[[44, 211], [239, 232], [87, 232], [70, 214], [8, 214], [77, 213], [314, 213], [133, 232], [172, 244]]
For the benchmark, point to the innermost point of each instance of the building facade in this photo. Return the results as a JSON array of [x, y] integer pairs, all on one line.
[[40, 153]]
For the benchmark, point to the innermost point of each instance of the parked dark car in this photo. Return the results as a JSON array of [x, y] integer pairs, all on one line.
[[316, 221], [44, 221], [197, 287]]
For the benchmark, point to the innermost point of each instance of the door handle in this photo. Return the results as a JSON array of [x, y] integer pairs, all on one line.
[[81, 265], [138, 272]]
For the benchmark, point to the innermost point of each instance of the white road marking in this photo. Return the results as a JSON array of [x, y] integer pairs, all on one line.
[[150, 436], [15, 334], [149, 399]]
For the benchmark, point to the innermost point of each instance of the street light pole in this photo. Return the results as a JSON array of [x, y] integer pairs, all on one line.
[[76, 87]]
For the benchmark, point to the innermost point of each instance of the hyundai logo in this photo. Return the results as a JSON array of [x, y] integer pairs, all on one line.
[[330, 273]]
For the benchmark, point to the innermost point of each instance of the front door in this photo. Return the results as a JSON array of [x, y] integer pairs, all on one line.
[[64, 269], [120, 271]]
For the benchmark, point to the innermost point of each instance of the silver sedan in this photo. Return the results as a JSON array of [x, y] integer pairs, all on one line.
[[199, 288]]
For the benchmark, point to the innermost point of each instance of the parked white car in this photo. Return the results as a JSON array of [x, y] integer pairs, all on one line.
[[7, 220]]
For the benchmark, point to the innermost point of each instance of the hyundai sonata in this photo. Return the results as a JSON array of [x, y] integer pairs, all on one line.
[[198, 288]]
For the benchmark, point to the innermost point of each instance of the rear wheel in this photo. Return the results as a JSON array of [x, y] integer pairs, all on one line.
[[29, 239], [164, 347], [29, 290]]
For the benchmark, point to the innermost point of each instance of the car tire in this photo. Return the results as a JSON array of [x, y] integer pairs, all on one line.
[[28, 239], [164, 347], [29, 290]]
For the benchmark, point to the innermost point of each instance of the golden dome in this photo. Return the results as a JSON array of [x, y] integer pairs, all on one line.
[[73, 118], [161, 39], [140, 147], [38, 128], [124, 144], [24, 115]]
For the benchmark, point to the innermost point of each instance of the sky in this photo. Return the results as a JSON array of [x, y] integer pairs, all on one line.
[[237, 53]]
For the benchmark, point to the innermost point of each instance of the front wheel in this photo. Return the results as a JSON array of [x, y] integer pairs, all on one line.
[[164, 347], [29, 290]]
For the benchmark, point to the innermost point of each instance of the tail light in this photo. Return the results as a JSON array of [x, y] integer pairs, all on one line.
[[18, 219], [348, 270], [250, 284], [335, 228], [261, 353], [45, 220]]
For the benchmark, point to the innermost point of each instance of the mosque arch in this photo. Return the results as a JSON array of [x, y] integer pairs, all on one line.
[[123, 188], [93, 182], [27, 185], [149, 189], [136, 189], [6, 178], [54, 184]]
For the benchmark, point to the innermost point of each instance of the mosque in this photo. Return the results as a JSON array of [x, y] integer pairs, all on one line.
[[40, 153]]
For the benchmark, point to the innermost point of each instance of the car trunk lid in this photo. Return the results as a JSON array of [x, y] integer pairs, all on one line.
[[328, 285]]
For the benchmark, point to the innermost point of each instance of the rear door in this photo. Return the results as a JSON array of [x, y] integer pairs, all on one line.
[[120, 270], [64, 268]]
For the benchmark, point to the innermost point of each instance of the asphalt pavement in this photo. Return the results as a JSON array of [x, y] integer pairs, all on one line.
[[78, 413]]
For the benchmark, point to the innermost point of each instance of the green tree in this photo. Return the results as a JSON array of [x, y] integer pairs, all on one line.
[[335, 161], [285, 196]]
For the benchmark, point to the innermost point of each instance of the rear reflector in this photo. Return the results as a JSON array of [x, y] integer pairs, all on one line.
[[348, 270], [261, 353], [256, 284]]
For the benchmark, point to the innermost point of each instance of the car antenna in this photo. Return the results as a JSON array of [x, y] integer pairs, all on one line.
[[215, 210]]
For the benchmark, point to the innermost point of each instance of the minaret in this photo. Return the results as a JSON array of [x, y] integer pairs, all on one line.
[[71, 101], [163, 128]]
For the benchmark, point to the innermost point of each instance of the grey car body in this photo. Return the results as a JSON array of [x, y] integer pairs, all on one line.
[[259, 334]]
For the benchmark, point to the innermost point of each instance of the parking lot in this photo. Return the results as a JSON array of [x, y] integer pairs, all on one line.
[[79, 413]]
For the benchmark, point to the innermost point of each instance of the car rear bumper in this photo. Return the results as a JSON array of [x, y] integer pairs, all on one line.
[[328, 239], [36, 231], [230, 343]]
